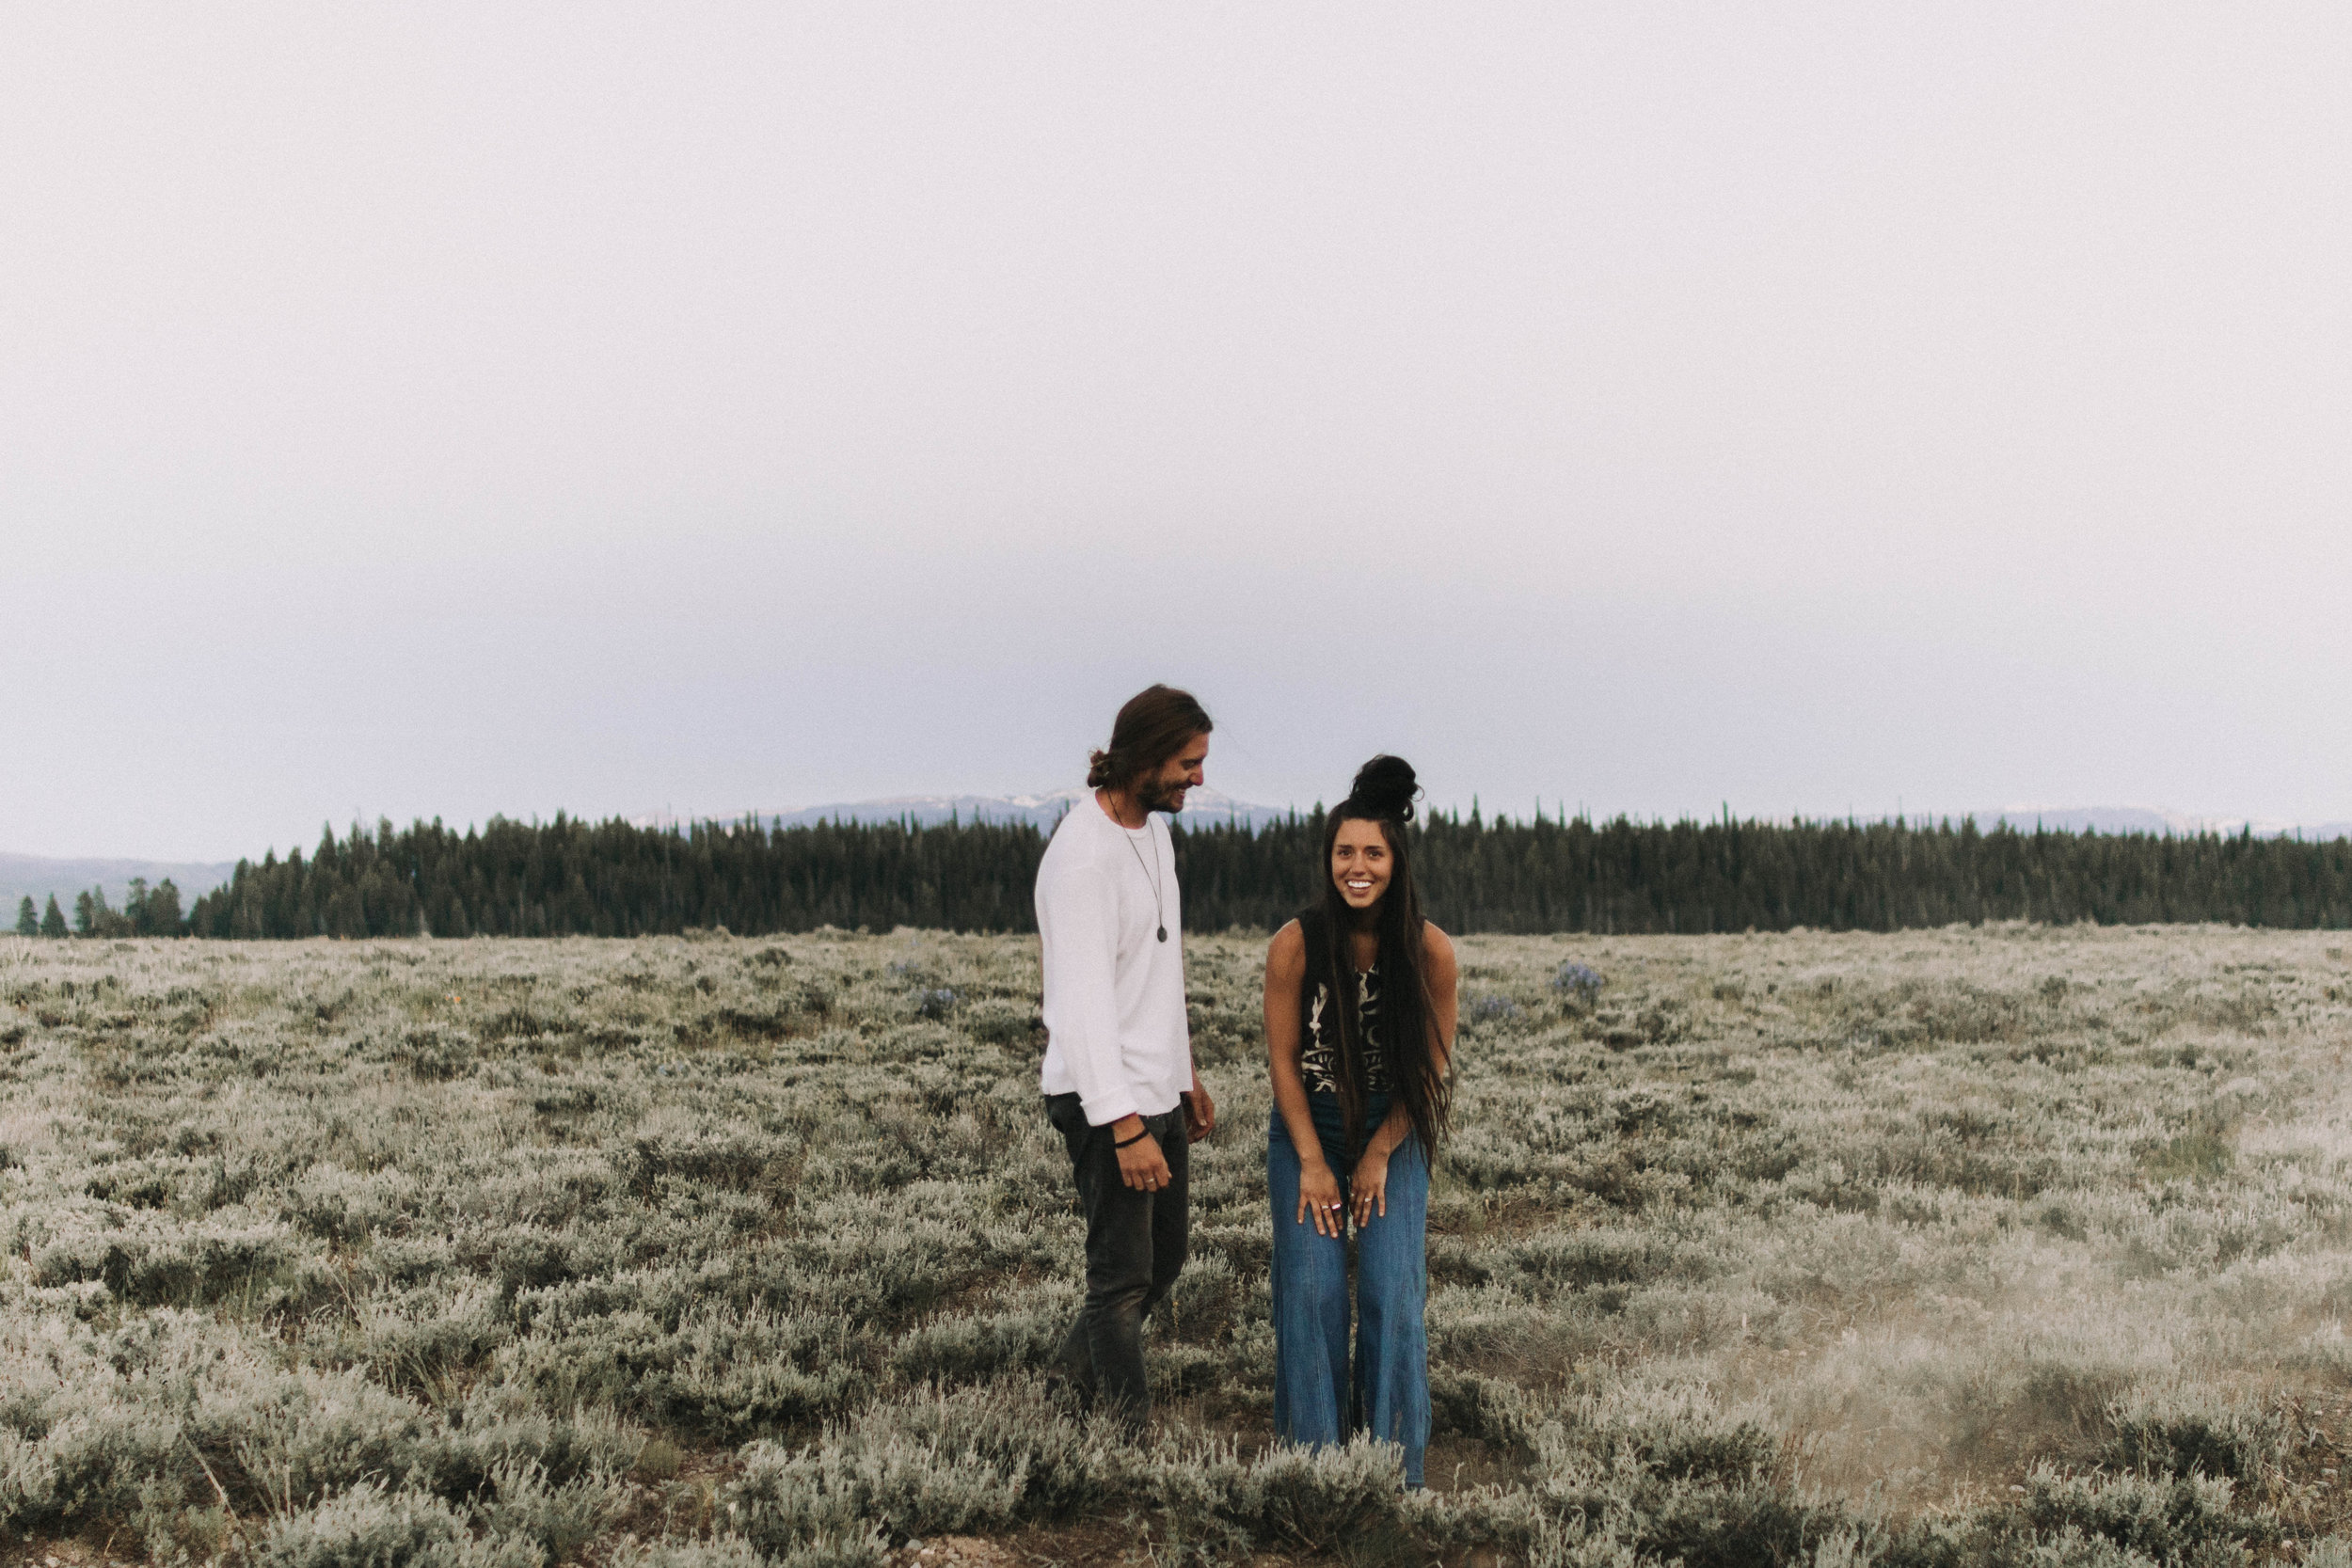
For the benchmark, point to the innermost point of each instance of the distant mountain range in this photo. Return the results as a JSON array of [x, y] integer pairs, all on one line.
[[1202, 808], [36, 877], [2148, 819]]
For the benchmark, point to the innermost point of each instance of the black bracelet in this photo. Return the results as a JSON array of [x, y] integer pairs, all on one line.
[[1131, 1142]]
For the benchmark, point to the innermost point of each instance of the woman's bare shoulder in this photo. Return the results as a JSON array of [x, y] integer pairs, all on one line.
[[1287, 953], [1435, 944]]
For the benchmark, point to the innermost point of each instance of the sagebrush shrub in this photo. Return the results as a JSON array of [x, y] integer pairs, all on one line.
[[369, 1526]]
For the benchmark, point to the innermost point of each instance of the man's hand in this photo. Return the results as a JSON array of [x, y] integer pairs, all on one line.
[[1199, 1112], [1142, 1165]]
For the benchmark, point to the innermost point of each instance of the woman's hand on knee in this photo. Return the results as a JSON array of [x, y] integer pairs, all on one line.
[[1319, 1198], [1370, 1187]]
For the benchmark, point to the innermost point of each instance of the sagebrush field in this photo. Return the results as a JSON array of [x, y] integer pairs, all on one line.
[[2006, 1245]]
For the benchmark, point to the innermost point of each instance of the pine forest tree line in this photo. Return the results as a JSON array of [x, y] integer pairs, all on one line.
[[570, 877], [146, 912]]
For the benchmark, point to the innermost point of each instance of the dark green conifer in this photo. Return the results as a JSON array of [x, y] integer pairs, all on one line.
[[53, 919], [27, 918], [163, 910], [94, 917]]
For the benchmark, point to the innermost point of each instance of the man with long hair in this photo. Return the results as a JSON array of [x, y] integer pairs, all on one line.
[[1119, 1078]]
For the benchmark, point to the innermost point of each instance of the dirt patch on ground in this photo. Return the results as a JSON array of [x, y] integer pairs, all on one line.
[[1100, 1545], [1074, 1545], [961, 1552], [69, 1553]]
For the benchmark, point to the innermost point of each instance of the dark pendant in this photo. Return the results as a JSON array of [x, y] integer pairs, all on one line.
[[1163, 933]]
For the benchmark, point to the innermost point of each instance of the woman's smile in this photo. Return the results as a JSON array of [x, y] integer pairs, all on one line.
[[1360, 862]]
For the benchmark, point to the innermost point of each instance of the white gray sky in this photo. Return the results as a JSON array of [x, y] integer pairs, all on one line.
[[456, 410]]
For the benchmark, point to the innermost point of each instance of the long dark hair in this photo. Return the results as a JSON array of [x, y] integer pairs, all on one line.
[[1153, 725], [1383, 793]]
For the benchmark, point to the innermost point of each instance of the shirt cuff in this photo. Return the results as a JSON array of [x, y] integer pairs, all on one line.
[[1101, 1113]]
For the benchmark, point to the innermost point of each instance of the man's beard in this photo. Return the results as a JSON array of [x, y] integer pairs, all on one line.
[[1159, 795]]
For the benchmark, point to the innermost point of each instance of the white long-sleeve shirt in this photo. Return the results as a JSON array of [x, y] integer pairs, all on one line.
[[1115, 1028]]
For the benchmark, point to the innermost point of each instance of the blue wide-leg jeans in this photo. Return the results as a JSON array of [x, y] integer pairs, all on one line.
[[1315, 1401]]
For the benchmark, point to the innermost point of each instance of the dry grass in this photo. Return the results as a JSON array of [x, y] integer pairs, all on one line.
[[1925, 1247]]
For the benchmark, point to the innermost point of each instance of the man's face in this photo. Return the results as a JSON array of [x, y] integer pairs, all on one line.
[[1163, 790]]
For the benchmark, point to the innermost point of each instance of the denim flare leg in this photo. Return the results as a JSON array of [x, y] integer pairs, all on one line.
[[1314, 1400]]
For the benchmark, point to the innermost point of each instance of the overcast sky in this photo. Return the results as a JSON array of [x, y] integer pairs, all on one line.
[[448, 411]]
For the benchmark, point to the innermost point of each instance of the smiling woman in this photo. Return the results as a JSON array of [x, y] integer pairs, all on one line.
[[1359, 1012]]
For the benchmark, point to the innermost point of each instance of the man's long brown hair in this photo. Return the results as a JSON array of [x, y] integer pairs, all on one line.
[[1407, 1021], [1154, 726]]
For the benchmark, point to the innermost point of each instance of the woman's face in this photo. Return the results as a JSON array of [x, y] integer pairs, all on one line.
[[1360, 862]]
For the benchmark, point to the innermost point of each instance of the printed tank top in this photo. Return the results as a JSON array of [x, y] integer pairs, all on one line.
[[1319, 1061], [1319, 1050]]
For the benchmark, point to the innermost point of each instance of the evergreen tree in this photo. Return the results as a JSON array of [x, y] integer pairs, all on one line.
[[164, 917], [94, 917], [53, 919], [27, 918]]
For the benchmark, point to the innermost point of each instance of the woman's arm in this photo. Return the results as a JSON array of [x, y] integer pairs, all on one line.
[[1285, 980], [1371, 1184], [1443, 974]]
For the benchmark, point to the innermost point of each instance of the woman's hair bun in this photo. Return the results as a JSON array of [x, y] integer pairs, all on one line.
[[1384, 786]]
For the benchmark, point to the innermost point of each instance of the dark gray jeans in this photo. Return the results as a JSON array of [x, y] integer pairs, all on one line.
[[1135, 1244]]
